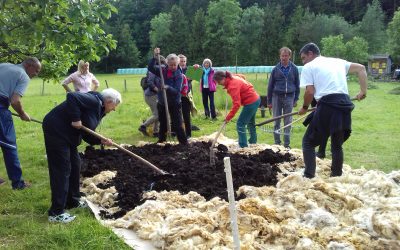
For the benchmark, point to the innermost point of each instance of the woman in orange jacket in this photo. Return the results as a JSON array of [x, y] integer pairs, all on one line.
[[243, 94]]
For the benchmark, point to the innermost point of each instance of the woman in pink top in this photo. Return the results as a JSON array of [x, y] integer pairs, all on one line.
[[243, 94], [82, 79]]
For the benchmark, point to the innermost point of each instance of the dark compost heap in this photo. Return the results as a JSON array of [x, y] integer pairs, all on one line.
[[189, 163]]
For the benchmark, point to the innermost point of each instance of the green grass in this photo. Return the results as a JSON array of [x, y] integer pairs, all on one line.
[[374, 144]]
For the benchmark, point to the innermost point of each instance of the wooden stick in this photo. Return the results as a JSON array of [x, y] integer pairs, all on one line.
[[290, 124], [89, 131], [281, 116], [164, 96], [32, 119], [212, 155]]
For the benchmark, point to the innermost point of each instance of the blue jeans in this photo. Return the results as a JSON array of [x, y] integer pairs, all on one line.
[[282, 104], [247, 119], [10, 154]]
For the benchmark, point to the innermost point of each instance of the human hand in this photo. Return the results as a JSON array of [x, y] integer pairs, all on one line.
[[107, 142], [302, 111], [361, 95], [25, 117], [196, 66], [77, 124]]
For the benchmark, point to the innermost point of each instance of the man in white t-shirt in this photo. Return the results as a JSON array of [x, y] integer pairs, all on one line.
[[325, 80]]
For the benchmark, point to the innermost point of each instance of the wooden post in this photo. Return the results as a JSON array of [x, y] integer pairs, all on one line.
[[232, 203], [125, 85], [42, 88], [106, 83]]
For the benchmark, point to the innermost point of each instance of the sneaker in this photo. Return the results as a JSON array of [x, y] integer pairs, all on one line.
[[195, 128], [142, 129], [288, 147], [22, 185], [62, 218], [80, 204], [2, 181]]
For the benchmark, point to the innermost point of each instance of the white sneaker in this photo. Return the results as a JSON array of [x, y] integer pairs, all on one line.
[[62, 218]]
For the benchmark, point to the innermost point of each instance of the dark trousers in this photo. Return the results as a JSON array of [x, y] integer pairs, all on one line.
[[337, 140], [186, 108], [207, 94], [175, 113], [8, 143], [64, 170]]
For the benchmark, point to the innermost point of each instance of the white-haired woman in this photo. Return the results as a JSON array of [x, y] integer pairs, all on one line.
[[62, 136], [82, 79], [207, 88], [173, 78]]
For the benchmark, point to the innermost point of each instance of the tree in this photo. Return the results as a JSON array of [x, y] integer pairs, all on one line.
[[250, 37], [179, 31], [221, 26], [355, 50], [372, 28], [58, 32], [393, 33], [126, 55], [197, 37], [274, 33], [160, 33]]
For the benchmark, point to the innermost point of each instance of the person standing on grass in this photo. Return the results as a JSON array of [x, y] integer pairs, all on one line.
[[173, 78], [207, 88], [14, 80], [62, 138], [283, 93], [243, 94], [325, 80], [82, 79], [150, 97]]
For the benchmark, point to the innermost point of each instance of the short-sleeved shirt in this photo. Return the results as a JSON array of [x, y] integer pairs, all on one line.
[[82, 82], [327, 74], [13, 79]]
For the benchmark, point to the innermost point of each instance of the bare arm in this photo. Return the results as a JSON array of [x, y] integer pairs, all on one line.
[[307, 99], [67, 89], [17, 106], [359, 69]]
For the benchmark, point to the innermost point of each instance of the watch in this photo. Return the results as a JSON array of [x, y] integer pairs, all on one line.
[[305, 106]]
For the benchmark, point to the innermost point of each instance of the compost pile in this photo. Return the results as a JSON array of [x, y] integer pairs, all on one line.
[[277, 208], [190, 165]]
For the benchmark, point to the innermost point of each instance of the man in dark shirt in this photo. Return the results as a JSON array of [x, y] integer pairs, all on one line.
[[62, 137]]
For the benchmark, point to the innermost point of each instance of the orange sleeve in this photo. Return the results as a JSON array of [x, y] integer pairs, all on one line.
[[234, 92]]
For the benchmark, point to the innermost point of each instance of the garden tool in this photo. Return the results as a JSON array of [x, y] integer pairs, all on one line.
[[148, 164], [32, 119], [164, 96], [212, 152], [280, 117]]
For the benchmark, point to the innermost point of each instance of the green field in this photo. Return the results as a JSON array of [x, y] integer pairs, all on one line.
[[374, 144]]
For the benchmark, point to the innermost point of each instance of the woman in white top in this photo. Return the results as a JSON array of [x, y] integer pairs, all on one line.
[[82, 79]]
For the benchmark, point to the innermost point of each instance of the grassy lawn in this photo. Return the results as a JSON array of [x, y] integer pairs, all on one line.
[[374, 144]]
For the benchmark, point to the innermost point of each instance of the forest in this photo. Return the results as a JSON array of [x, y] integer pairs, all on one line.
[[247, 32], [121, 33]]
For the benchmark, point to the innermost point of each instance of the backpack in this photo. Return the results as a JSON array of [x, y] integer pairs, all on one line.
[[144, 83]]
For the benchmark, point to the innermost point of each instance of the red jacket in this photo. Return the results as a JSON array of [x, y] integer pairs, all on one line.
[[242, 93]]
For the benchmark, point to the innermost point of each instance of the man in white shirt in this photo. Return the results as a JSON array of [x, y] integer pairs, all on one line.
[[325, 80]]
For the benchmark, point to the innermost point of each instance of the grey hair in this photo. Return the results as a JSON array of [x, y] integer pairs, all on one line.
[[172, 57], [112, 94], [207, 60], [285, 49], [33, 61]]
